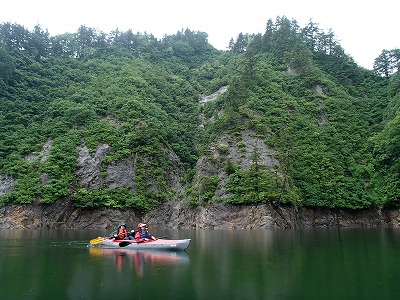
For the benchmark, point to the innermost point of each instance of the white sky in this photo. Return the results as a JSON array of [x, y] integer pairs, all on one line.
[[363, 27]]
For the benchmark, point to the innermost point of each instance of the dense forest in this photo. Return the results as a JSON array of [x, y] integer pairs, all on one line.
[[331, 128]]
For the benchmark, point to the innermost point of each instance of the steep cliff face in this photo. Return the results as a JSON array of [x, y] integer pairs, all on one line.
[[178, 215], [121, 173], [6, 184], [93, 173], [266, 216], [230, 149], [61, 215]]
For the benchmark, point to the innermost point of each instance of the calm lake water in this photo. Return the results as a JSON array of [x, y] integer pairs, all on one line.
[[219, 264]]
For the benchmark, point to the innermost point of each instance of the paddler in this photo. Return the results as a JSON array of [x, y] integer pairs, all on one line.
[[143, 234], [121, 233]]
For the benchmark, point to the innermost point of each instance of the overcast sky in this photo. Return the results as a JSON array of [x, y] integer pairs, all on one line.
[[363, 27]]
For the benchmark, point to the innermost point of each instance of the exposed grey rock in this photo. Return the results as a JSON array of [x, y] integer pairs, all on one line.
[[240, 151], [44, 179], [45, 152], [213, 96], [6, 184], [243, 157], [121, 173], [89, 166], [62, 215], [266, 216], [318, 90], [179, 215]]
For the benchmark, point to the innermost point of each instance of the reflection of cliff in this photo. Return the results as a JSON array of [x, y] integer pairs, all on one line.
[[140, 258]]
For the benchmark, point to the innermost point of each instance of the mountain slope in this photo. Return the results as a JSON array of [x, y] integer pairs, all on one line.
[[126, 121]]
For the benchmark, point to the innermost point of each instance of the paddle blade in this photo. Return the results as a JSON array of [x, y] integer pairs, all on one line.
[[96, 241], [124, 244]]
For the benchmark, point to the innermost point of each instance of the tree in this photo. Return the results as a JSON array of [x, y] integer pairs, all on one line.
[[270, 27], [387, 145], [311, 32], [7, 67], [63, 45], [285, 37], [85, 41], [231, 44], [15, 37], [126, 39], [387, 62], [241, 43], [41, 42]]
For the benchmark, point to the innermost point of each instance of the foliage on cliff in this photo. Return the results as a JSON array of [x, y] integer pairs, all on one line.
[[333, 126]]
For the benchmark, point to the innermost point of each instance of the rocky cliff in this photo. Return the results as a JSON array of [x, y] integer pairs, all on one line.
[[210, 213], [178, 215]]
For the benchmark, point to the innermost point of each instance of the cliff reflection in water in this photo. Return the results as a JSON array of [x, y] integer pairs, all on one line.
[[138, 259]]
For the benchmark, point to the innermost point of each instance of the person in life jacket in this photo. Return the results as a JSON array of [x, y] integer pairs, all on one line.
[[121, 233], [143, 234]]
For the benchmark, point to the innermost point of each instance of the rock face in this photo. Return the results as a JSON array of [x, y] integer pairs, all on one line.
[[213, 96], [89, 166], [266, 216], [178, 215], [241, 150], [6, 184], [61, 215], [120, 173]]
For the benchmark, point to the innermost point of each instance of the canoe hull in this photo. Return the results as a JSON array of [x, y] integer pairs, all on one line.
[[160, 244]]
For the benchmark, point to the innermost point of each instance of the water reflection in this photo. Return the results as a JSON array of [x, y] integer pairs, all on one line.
[[139, 259], [242, 264]]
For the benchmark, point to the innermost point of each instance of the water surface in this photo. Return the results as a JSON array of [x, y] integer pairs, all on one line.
[[219, 264]]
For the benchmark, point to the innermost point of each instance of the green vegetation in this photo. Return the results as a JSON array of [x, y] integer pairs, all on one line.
[[333, 125]]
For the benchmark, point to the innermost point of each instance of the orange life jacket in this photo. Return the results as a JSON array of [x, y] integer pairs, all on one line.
[[122, 233]]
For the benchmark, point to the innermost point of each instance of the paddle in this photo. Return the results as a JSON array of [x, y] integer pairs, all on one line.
[[124, 244], [127, 243], [96, 241]]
